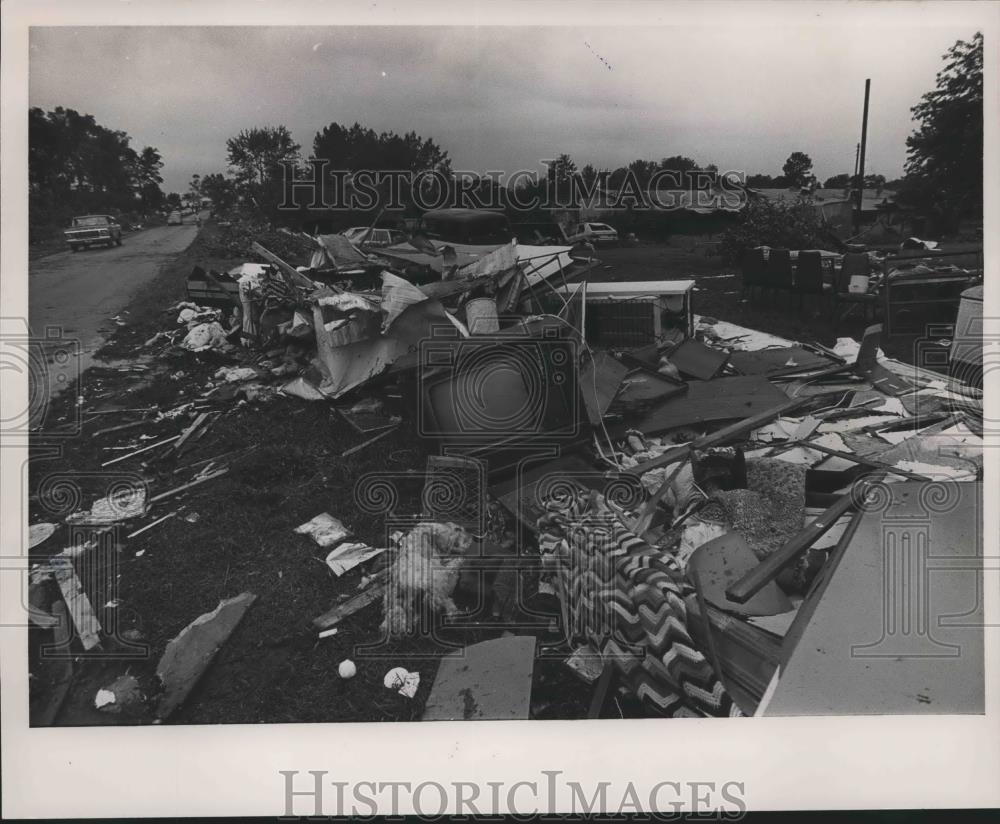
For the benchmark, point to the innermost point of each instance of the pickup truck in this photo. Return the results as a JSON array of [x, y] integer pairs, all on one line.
[[88, 230]]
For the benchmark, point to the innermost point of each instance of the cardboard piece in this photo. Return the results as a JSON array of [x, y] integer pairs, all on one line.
[[189, 654], [486, 681]]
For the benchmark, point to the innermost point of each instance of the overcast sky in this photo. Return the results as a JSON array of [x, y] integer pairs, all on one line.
[[504, 98]]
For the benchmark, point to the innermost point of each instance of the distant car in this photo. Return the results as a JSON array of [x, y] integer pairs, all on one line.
[[595, 233], [174, 219], [89, 230], [378, 238]]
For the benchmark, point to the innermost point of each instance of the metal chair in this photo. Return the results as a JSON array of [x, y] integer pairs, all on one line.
[[809, 276], [779, 275], [853, 264], [753, 268]]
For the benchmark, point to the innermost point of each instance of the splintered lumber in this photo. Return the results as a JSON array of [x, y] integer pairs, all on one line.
[[857, 459], [645, 516], [370, 441], [755, 580], [151, 525], [176, 491], [121, 427], [355, 604], [88, 628], [139, 451], [189, 654], [290, 273], [187, 433], [733, 430]]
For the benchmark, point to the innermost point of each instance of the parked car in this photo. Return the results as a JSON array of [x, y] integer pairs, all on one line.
[[595, 233], [174, 219], [88, 230], [474, 227], [378, 238]]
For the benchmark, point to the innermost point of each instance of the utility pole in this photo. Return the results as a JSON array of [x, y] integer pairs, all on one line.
[[860, 178]]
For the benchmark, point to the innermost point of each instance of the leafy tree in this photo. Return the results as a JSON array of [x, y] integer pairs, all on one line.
[[944, 166], [797, 169], [173, 200], [77, 165], [256, 155], [561, 170], [220, 190], [357, 148], [841, 181], [775, 223]]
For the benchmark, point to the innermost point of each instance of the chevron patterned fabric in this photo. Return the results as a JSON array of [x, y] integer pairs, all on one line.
[[625, 598]]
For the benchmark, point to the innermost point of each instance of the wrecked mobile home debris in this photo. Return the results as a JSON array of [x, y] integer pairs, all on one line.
[[670, 507]]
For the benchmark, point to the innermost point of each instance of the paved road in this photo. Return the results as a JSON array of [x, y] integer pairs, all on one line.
[[80, 292]]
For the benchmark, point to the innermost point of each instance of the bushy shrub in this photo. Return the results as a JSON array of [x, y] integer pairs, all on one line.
[[774, 223]]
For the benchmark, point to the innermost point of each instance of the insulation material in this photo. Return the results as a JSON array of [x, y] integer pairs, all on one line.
[[770, 510]]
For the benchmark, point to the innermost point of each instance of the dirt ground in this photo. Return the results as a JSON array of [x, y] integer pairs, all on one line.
[[235, 534]]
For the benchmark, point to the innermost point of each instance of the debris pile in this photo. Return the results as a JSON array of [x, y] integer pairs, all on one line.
[[665, 490]]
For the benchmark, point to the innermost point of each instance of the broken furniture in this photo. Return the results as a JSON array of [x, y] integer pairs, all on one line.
[[778, 273], [752, 267], [634, 313], [912, 300], [809, 275], [850, 286]]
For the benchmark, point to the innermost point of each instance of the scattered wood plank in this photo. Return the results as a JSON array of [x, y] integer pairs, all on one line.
[[384, 433], [88, 628], [140, 451], [849, 456], [187, 433], [291, 275], [151, 525], [733, 430], [176, 491], [358, 602], [121, 427]]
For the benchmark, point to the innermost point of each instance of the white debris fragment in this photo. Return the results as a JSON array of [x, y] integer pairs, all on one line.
[[404, 682], [347, 669], [103, 698], [325, 530]]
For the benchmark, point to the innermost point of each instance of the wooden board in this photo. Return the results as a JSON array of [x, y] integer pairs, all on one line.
[[896, 624], [696, 360], [769, 361], [721, 399], [486, 681], [88, 628]]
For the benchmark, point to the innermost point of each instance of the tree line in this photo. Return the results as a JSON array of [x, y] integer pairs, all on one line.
[[76, 165]]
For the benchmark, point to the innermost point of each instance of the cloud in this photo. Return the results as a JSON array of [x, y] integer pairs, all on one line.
[[502, 98]]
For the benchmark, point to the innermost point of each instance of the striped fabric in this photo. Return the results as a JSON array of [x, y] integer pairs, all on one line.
[[625, 598]]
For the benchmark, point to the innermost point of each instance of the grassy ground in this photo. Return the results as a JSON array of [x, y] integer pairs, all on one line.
[[235, 534]]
